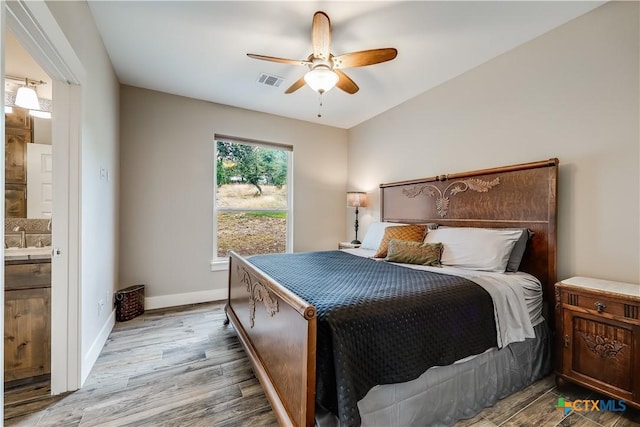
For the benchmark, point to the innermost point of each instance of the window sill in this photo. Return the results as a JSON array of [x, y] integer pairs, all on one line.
[[220, 264]]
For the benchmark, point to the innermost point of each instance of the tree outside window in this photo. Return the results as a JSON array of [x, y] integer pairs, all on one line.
[[252, 198]]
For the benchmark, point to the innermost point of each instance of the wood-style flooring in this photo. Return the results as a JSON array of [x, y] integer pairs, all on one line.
[[182, 367]]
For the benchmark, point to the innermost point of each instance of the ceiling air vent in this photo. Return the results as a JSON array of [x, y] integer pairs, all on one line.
[[270, 80]]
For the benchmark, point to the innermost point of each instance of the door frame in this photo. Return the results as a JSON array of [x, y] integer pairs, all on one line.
[[2, 25], [38, 32]]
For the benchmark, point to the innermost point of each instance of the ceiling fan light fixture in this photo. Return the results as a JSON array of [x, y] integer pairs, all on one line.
[[321, 78], [322, 62]]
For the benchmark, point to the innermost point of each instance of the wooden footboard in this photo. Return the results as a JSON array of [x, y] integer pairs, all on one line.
[[278, 331]]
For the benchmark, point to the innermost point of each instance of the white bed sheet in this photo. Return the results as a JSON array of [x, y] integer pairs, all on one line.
[[517, 297]]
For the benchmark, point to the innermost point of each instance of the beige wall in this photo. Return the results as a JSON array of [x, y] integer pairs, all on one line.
[[99, 197], [571, 93], [167, 188]]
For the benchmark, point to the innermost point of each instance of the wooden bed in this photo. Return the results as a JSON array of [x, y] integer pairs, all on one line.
[[278, 329]]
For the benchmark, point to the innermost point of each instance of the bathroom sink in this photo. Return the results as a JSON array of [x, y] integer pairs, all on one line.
[[14, 254]]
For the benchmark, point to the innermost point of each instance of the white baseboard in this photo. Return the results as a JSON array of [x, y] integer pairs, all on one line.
[[175, 300], [96, 347]]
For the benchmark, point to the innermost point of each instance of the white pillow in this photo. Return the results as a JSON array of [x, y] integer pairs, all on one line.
[[484, 249], [374, 234]]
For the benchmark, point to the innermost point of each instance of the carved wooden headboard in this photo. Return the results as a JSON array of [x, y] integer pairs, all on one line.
[[517, 196]]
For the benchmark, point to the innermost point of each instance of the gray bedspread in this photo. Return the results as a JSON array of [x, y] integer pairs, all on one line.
[[380, 323]]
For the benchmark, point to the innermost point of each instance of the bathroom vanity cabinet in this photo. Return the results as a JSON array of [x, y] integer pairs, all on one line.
[[27, 319]]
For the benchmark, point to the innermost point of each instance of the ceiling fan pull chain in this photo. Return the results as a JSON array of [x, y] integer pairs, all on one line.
[[320, 106]]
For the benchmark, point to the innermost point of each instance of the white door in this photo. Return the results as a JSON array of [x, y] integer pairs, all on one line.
[[39, 180]]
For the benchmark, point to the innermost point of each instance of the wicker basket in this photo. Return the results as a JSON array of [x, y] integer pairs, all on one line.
[[129, 303]]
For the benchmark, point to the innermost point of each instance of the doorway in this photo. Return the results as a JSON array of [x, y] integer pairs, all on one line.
[[37, 31], [27, 224]]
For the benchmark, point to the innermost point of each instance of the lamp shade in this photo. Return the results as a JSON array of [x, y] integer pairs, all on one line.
[[356, 199], [321, 79], [27, 98]]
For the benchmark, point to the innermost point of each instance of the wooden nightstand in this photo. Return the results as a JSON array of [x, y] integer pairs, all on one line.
[[348, 245], [598, 336]]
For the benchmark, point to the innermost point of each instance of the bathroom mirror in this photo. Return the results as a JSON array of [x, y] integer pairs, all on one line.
[[25, 133], [28, 165]]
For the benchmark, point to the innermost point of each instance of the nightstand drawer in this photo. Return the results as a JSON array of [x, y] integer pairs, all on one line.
[[603, 305]]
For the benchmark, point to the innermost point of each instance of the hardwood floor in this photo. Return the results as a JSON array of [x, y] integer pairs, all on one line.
[[172, 367], [182, 367]]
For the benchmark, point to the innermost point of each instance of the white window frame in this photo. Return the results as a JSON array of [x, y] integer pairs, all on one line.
[[222, 263]]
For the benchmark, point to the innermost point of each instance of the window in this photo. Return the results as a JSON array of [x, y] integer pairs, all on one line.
[[252, 198]]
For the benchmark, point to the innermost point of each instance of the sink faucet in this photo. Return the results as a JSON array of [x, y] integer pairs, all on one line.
[[23, 236]]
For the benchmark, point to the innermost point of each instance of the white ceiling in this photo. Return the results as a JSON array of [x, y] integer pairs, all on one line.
[[198, 49]]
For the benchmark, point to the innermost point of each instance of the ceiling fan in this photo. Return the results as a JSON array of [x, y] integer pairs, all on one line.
[[325, 69]]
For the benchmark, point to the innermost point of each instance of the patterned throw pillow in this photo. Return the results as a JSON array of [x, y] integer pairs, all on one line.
[[414, 253], [412, 233]]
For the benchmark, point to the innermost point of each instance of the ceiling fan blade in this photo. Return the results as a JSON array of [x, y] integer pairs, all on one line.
[[321, 35], [364, 58], [280, 60], [297, 85], [345, 83]]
